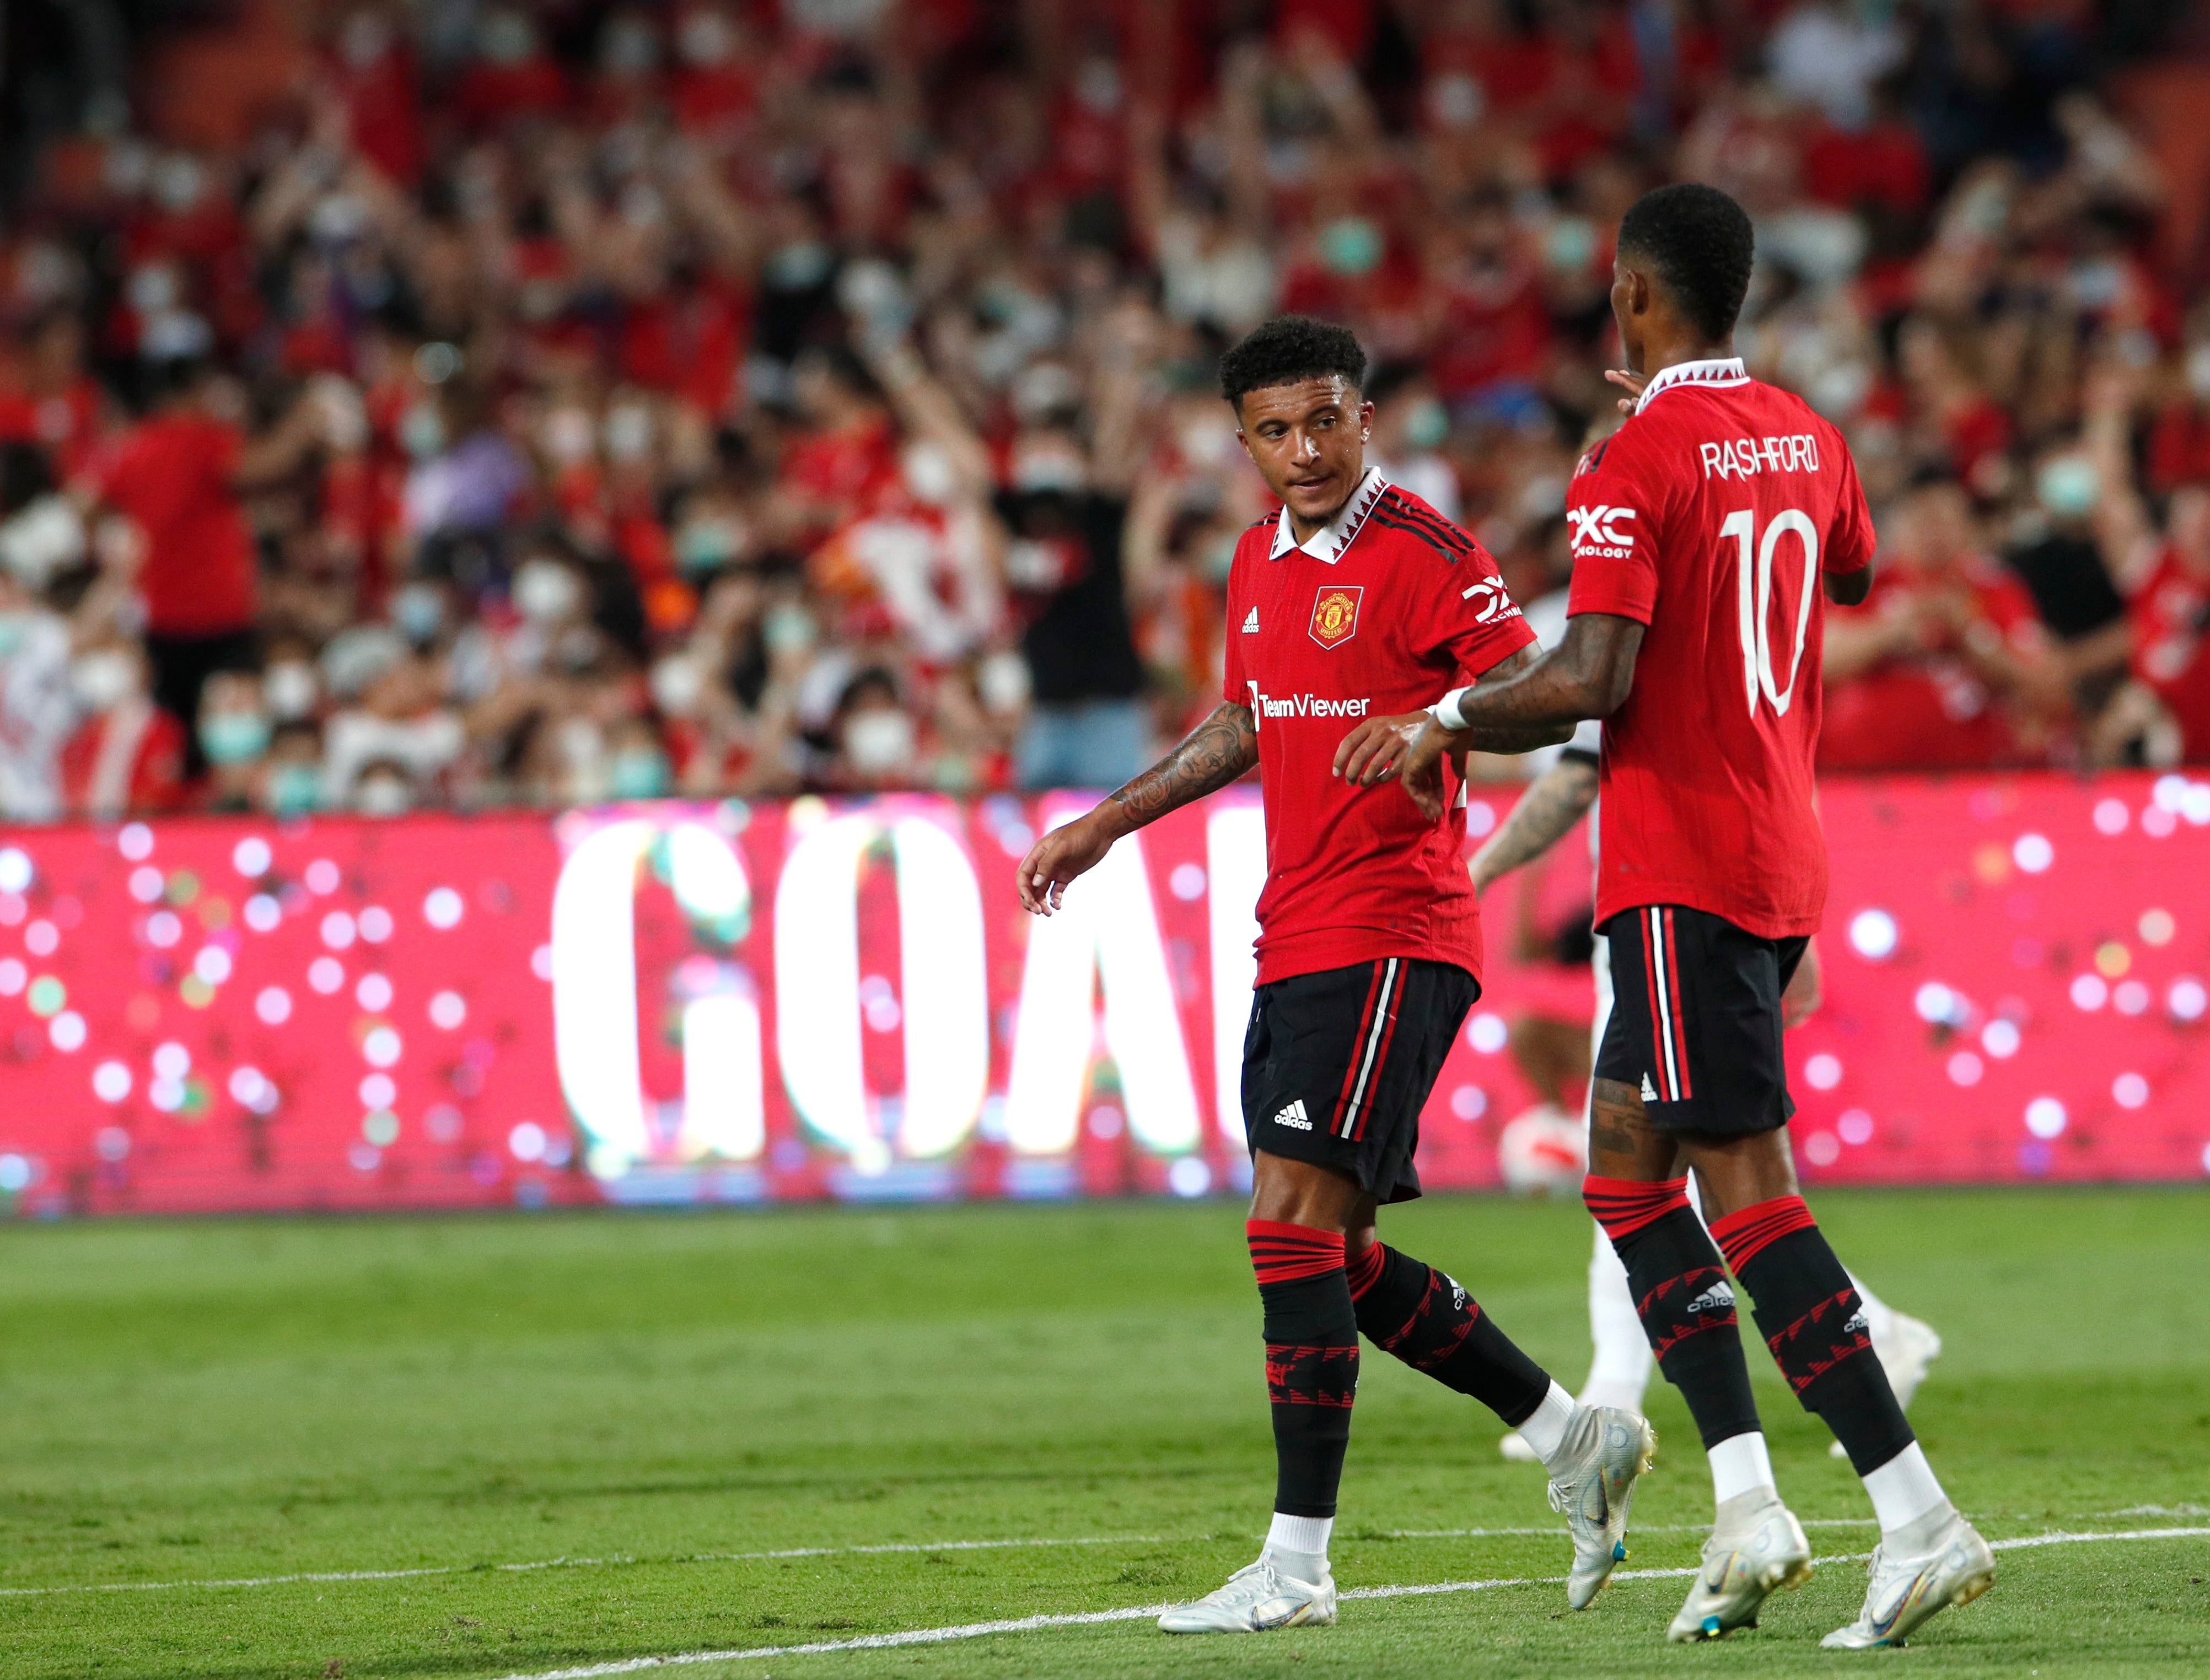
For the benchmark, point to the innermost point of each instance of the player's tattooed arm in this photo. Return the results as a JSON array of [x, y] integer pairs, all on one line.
[[1370, 752], [1222, 749], [1587, 675], [1545, 815], [1507, 738], [1218, 751]]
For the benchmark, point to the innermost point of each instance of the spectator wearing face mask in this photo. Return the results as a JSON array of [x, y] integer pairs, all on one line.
[[402, 720], [178, 475], [466, 475], [2061, 559], [386, 788], [1410, 427], [876, 745], [291, 685], [636, 767], [234, 730], [292, 784], [127, 756], [1088, 724]]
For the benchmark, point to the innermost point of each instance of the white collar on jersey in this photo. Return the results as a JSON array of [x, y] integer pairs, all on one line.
[[1721, 371], [1329, 542]]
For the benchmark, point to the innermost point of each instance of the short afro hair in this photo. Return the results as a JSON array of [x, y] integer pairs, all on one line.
[[1701, 242], [1287, 349]]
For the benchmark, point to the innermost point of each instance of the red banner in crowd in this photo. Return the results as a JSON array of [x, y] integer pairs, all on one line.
[[674, 1003]]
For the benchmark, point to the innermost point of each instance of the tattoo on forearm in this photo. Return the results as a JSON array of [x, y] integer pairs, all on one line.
[[1505, 738], [1508, 737], [1546, 812], [1213, 755]]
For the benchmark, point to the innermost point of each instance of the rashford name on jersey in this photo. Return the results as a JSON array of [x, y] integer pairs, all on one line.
[[1708, 517], [1381, 612]]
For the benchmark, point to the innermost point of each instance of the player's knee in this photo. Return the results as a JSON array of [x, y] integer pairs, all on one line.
[[1737, 1172], [1302, 1193]]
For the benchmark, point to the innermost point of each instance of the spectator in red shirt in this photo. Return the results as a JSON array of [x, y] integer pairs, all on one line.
[[177, 476], [1945, 665], [128, 755], [47, 399], [2165, 708]]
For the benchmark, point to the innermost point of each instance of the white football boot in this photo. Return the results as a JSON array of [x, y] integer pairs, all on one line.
[[1257, 1597], [1757, 1548], [1904, 1352], [1953, 1565], [1604, 1450]]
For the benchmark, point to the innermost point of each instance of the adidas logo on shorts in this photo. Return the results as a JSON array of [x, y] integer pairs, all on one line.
[[1856, 1324], [1294, 1116], [1251, 623], [1649, 1091]]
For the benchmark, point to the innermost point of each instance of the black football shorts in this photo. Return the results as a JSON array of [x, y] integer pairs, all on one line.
[[1695, 1020], [1336, 1065]]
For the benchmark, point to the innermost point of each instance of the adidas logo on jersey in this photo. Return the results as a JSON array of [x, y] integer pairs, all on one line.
[[1251, 624], [1717, 1298], [1857, 1323], [1293, 1117], [1649, 1091]]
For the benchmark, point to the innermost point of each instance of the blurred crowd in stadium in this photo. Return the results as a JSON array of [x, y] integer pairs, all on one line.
[[560, 403]]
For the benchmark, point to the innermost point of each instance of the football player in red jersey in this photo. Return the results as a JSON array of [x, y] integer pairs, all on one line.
[[1357, 601], [1704, 530]]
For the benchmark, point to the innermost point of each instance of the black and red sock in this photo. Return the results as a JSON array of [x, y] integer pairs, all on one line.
[[1426, 1319], [1812, 1319], [1681, 1295], [1312, 1359]]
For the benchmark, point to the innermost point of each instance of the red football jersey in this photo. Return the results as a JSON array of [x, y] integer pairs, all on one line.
[[1708, 517], [1385, 612]]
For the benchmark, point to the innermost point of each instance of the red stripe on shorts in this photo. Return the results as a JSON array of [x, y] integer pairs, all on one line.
[[1673, 986], [1357, 1048]]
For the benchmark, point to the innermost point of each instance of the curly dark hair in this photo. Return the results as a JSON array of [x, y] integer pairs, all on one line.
[[1286, 349], [1701, 242]]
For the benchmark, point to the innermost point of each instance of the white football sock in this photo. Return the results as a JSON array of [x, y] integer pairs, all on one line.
[[1298, 1546], [1619, 1371], [1741, 1465], [1545, 1431], [1903, 1490]]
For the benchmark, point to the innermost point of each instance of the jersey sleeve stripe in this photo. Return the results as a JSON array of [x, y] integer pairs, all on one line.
[[1405, 509], [1421, 532]]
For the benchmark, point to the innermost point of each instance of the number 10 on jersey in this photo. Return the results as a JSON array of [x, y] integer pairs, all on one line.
[[1753, 600]]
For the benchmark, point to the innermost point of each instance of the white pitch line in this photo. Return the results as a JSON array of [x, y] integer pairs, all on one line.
[[572, 1563], [1651, 1527], [1135, 1613], [624, 1561]]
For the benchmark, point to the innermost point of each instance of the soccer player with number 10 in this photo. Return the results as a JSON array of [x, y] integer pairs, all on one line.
[[1703, 532]]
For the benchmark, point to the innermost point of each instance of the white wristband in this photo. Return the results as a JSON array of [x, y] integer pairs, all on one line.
[[1446, 713]]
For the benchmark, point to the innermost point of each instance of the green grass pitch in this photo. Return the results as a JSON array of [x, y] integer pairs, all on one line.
[[640, 1397]]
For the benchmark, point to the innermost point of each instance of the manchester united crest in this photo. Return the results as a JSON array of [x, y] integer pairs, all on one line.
[[1335, 616]]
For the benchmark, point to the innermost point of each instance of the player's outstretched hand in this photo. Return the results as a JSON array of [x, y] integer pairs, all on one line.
[[1632, 383], [1055, 859], [1409, 747]]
